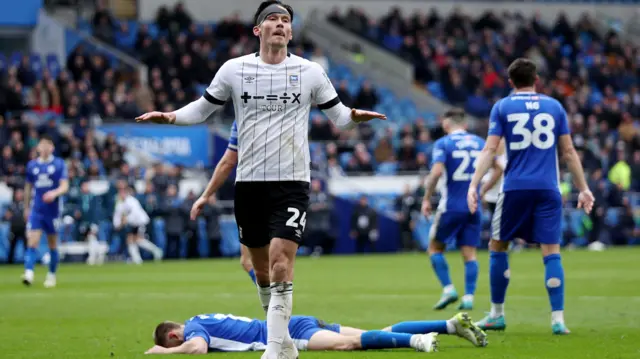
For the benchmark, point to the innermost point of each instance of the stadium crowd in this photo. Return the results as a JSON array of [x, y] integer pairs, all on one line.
[[461, 58]]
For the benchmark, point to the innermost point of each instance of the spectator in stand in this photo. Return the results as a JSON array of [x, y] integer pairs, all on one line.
[[367, 98]]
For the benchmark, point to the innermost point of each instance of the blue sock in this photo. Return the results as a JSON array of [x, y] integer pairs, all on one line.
[[498, 276], [470, 277], [53, 263], [30, 258], [252, 274], [378, 339], [421, 327], [440, 266], [554, 279]]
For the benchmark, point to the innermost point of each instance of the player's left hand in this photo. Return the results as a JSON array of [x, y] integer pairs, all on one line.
[[586, 200], [156, 349], [364, 116], [426, 208], [49, 197], [472, 200], [162, 118]]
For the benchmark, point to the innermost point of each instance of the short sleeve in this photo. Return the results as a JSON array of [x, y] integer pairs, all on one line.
[[233, 138], [195, 330], [324, 94], [438, 155], [64, 173], [29, 173], [563, 122], [495, 125], [219, 90]]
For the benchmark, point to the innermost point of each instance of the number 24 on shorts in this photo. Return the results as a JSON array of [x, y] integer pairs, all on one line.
[[294, 217]]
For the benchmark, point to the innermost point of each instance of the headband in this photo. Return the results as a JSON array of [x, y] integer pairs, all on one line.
[[271, 9]]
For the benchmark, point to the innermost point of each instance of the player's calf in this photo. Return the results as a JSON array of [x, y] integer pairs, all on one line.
[[470, 276], [441, 269], [30, 255], [554, 283]]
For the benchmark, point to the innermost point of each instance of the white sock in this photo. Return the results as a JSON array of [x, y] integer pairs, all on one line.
[[449, 288], [467, 298], [414, 341], [279, 315], [557, 316], [134, 253], [92, 241], [451, 328], [497, 310], [265, 297], [148, 245]]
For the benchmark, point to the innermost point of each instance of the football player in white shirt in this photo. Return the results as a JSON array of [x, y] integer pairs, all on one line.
[[272, 92], [130, 216]]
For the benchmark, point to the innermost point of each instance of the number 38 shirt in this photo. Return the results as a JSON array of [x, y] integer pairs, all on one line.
[[531, 123]]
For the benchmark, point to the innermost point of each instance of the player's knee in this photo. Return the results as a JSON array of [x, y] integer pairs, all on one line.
[[468, 253], [435, 247], [554, 283], [498, 246]]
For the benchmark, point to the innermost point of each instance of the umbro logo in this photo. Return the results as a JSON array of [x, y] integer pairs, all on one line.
[[249, 79], [298, 233]]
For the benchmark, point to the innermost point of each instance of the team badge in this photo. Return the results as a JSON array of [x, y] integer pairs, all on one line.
[[294, 80]]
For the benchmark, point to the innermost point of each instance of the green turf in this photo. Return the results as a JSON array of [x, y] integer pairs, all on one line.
[[110, 311]]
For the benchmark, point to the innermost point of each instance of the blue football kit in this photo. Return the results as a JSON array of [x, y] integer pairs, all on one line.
[[453, 221], [44, 176]]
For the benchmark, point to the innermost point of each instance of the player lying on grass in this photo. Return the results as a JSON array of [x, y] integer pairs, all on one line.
[[227, 333]]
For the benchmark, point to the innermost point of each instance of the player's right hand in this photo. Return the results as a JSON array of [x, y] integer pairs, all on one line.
[[472, 200], [586, 200], [426, 208], [197, 208], [163, 118]]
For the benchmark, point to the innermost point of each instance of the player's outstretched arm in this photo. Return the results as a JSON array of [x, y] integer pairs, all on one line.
[[222, 171], [196, 345], [570, 156], [193, 113], [484, 162]]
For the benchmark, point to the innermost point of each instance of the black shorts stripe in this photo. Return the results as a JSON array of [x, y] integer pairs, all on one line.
[[207, 96], [329, 104]]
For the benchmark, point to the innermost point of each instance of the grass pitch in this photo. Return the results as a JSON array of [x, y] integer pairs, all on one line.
[[110, 311]]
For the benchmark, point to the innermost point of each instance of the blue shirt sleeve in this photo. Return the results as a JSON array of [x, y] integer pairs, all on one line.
[[438, 155], [495, 126], [563, 122], [195, 330], [29, 173], [233, 138], [64, 174]]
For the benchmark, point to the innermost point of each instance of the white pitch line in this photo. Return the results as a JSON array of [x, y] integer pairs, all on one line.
[[250, 295]]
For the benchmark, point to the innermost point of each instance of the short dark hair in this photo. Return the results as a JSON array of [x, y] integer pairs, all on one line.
[[455, 114], [46, 137], [161, 334], [267, 3], [522, 73]]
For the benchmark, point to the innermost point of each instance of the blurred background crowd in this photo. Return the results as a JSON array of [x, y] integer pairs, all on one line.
[[458, 58]]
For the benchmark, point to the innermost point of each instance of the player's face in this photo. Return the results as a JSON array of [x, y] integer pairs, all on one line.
[[45, 148], [275, 30], [175, 339]]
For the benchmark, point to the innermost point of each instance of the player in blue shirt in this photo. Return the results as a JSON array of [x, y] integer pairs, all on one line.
[[453, 161], [47, 178], [228, 333], [222, 171], [529, 206]]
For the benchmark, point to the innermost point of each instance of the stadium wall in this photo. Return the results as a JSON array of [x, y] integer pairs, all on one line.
[[207, 11]]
